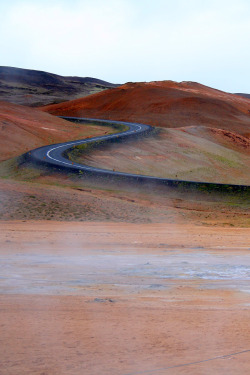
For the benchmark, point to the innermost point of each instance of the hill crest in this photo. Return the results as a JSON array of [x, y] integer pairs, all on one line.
[[166, 104], [36, 88]]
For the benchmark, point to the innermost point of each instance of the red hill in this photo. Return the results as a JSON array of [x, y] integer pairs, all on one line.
[[166, 103]]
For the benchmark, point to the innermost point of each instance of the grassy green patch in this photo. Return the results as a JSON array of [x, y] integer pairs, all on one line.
[[227, 161], [8, 168], [11, 169]]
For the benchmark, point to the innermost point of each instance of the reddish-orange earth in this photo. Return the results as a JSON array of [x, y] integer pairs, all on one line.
[[166, 104]]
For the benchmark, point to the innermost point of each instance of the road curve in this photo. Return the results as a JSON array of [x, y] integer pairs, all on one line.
[[54, 156]]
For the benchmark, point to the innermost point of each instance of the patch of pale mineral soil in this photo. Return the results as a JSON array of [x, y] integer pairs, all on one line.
[[118, 298], [77, 335]]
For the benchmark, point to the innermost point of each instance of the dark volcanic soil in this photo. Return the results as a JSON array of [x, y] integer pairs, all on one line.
[[35, 88]]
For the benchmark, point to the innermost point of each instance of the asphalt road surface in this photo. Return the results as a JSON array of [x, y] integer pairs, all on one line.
[[54, 156]]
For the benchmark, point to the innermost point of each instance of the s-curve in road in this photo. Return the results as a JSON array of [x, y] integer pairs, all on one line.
[[55, 156]]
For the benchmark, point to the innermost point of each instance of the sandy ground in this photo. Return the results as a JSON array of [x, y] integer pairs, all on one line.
[[120, 298]]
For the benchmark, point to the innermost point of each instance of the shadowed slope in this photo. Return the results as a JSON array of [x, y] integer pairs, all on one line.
[[36, 88], [243, 95]]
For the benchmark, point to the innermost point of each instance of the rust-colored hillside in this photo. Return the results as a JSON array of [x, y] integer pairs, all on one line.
[[167, 104]]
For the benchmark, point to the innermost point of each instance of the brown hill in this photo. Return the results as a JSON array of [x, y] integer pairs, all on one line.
[[23, 128], [36, 88], [167, 104]]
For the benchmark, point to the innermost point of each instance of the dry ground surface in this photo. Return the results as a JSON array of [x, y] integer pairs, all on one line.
[[120, 297], [192, 153], [112, 298], [61, 198], [103, 278]]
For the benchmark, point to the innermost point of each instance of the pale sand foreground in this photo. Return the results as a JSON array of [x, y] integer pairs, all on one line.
[[112, 298]]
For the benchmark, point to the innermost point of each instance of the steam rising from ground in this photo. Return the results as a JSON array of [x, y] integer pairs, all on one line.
[[122, 298]]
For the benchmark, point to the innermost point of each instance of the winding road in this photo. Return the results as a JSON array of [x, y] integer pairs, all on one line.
[[54, 156]]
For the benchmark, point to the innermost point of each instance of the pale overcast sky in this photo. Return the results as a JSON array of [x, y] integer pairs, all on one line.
[[206, 41]]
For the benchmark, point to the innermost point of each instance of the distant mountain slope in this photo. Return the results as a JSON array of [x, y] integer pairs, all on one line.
[[166, 104], [37, 88], [243, 95]]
